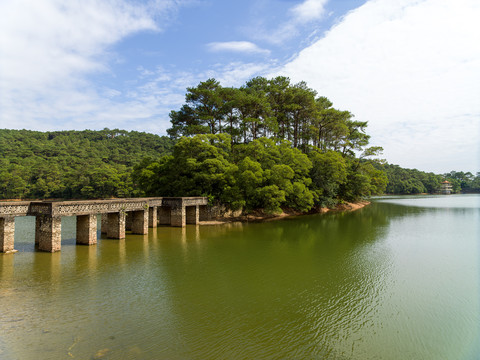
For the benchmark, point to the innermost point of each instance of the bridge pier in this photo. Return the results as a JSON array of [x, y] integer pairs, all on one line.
[[139, 222], [87, 229], [7, 234], [48, 233], [192, 214], [203, 216], [164, 216], [152, 216], [178, 216], [116, 225]]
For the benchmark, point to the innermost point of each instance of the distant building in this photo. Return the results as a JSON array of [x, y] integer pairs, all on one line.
[[446, 188]]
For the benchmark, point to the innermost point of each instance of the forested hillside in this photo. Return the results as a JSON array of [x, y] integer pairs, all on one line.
[[73, 164], [259, 174], [403, 181], [272, 144], [268, 144]]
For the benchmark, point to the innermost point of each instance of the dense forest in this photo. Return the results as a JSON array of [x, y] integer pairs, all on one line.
[[259, 174], [274, 109], [412, 181], [73, 164], [269, 144], [273, 144]]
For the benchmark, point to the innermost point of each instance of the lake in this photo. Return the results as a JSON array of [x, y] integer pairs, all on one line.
[[399, 279]]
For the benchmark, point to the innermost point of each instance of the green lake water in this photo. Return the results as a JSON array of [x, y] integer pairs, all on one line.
[[399, 279]]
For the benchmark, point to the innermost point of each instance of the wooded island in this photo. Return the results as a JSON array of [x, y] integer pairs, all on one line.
[[268, 144]]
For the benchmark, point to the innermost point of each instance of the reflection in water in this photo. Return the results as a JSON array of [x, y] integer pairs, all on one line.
[[386, 282], [465, 201], [122, 252], [47, 269], [6, 268], [197, 233], [184, 237], [86, 260], [146, 248], [298, 279]]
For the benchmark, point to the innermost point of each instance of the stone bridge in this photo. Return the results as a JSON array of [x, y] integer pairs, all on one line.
[[118, 215]]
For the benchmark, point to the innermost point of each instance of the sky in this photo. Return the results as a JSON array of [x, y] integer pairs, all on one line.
[[411, 68]]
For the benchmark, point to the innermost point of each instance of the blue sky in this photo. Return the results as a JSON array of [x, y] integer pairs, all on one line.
[[411, 68]]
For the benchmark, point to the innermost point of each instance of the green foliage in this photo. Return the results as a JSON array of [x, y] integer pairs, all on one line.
[[463, 182], [74, 164], [268, 108], [412, 181], [270, 198], [269, 144], [197, 167], [355, 187], [328, 173], [300, 198], [258, 174], [377, 179]]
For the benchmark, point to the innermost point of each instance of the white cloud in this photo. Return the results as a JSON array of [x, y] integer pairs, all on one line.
[[237, 46], [298, 16], [49, 47], [62, 37], [309, 10], [412, 69]]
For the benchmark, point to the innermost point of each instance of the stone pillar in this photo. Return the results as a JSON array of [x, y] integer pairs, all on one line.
[[178, 217], [48, 232], [116, 225], [104, 226], [7, 234], [192, 214], [139, 222], [128, 221], [203, 213], [87, 229], [152, 217], [164, 215]]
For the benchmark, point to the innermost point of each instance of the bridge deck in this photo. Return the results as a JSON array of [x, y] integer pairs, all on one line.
[[145, 212]]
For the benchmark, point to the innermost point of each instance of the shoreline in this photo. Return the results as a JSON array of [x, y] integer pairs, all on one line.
[[260, 216]]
